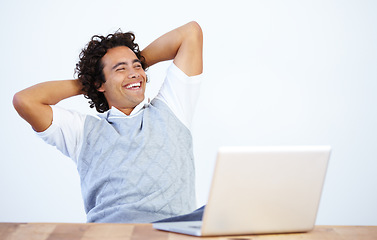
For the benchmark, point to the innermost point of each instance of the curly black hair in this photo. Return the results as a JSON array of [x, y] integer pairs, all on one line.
[[89, 69]]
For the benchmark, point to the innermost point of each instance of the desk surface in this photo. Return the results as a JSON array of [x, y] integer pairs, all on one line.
[[92, 231]]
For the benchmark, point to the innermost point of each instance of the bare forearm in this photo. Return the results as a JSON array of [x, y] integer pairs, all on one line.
[[50, 93], [183, 44], [163, 48], [33, 103]]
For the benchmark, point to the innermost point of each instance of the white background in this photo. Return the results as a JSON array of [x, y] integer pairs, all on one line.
[[277, 73]]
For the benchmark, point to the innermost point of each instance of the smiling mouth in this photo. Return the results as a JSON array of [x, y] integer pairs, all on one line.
[[133, 86]]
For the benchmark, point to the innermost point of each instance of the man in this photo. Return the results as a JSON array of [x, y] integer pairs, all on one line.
[[135, 160]]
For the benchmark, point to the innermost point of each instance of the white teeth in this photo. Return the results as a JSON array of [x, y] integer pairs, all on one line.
[[133, 85]]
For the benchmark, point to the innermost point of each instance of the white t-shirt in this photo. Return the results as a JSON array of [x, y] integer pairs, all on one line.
[[179, 91]]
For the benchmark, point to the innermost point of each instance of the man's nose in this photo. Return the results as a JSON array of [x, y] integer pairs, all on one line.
[[133, 74]]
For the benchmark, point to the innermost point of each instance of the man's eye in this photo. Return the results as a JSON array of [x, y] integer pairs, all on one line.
[[138, 66], [120, 69]]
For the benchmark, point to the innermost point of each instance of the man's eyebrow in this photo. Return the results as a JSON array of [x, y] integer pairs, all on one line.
[[118, 64], [125, 63], [136, 60]]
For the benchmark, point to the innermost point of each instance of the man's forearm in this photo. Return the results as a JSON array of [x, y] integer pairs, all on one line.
[[183, 44], [33, 103], [52, 92]]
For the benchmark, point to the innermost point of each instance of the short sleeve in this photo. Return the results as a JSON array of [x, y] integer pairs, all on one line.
[[180, 92], [65, 132]]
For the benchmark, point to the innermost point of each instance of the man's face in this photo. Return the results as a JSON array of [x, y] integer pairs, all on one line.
[[125, 79]]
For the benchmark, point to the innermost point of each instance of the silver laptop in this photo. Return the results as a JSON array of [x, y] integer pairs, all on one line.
[[261, 190]]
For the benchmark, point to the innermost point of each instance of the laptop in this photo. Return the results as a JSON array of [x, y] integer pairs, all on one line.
[[261, 190]]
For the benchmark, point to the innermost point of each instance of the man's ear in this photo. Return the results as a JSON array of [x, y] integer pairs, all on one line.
[[101, 89]]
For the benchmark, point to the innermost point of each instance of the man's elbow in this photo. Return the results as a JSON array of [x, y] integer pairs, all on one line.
[[195, 31], [17, 101], [21, 102]]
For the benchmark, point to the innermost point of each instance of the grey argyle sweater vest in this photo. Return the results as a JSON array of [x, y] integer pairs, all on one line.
[[137, 169]]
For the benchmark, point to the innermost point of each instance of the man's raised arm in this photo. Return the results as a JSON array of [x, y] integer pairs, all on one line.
[[183, 44], [33, 103]]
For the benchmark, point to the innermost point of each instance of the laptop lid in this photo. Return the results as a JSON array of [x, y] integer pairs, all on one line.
[[265, 190]]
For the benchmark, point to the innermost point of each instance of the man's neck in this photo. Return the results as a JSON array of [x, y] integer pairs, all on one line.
[[126, 111]]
